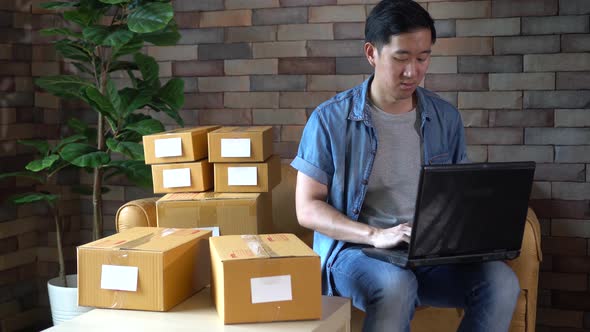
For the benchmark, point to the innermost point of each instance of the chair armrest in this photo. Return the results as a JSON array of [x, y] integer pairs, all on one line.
[[137, 213], [526, 266]]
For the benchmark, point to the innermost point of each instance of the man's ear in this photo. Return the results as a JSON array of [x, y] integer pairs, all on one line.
[[370, 53]]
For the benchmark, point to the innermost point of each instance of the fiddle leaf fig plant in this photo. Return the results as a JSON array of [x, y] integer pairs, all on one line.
[[102, 42]]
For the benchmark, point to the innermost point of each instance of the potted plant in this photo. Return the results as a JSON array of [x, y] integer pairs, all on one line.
[[102, 37]]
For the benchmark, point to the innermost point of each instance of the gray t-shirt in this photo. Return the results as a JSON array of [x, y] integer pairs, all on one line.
[[393, 184]]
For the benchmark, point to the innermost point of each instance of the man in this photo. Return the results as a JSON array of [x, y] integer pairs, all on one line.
[[358, 164]]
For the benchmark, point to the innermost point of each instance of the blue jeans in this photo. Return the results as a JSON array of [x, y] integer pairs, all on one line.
[[389, 294]]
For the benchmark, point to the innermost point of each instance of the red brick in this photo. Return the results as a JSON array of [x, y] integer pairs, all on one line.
[[8, 245], [22, 52], [349, 30], [228, 18], [291, 133], [562, 209], [560, 318], [307, 66], [463, 46], [5, 52], [570, 300], [7, 84], [299, 3], [187, 19], [226, 117], [14, 68], [515, 8], [563, 281], [287, 150], [18, 131], [9, 276], [203, 100], [7, 115], [457, 82], [197, 68], [571, 264]]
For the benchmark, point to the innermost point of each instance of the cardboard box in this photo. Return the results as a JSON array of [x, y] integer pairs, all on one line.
[[183, 177], [225, 213], [263, 278], [240, 144], [176, 146], [144, 268], [248, 177]]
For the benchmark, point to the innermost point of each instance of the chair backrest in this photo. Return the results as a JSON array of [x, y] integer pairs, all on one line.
[[283, 205]]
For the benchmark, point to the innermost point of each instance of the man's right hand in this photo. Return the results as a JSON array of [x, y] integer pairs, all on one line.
[[391, 237]]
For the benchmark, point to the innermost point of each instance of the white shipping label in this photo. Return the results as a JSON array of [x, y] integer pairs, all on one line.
[[174, 178], [214, 230], [242, 176], [117, 277], [235, 147], [271, 289], [168, 147]]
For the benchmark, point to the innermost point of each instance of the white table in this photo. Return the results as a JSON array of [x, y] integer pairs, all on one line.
[[198, 314]]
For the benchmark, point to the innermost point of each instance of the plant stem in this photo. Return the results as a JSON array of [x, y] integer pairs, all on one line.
[[98, 171], [60, 252]]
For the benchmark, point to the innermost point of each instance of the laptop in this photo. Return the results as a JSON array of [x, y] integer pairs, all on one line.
[[465, 213]]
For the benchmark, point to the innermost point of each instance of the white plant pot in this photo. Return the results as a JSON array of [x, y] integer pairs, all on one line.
[[64, 300]]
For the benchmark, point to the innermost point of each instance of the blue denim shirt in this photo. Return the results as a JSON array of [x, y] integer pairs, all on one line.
[[339, 144]]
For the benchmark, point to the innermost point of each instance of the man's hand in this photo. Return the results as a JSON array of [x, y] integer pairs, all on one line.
[[391, 237]]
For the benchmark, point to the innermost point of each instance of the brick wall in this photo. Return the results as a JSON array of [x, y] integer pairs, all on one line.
[[27, 234], [517, 69]]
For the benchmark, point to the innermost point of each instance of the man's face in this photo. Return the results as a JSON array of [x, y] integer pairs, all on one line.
[[401, 64]]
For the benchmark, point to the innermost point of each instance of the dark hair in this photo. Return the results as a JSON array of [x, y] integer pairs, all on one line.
[[393, 17]]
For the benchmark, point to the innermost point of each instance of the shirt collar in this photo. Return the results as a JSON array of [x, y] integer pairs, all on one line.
[[360, 112]]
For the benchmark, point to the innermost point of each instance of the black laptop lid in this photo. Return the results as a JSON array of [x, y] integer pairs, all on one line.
[[471, 208]]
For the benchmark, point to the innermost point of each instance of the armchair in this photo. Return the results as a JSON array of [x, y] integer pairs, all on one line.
[[142, 212]]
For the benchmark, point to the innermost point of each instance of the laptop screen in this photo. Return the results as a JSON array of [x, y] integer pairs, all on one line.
[[471, 208]]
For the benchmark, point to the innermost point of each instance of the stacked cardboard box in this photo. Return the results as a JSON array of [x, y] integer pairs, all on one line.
[[144, 268], [264, 278], [243, 159], [244, 205], [179, 160]]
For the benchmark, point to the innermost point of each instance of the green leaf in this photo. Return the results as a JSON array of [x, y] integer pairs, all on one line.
[[72, 50], [33, 197], [113, 95], [148, 67], [41, 145], [157, 105], [136, 171], [70, 140], [96, 33], [76, 125], [172, 93], [118, 38], [100, 103], [150, 17], [135, 99], [84, 16], [64, 85], [122, 65], [59, 4], [169, 36], [60, 32], [130, 149], [82, 68], [41, 164], [133, 46], [84, 155], [145, 127]]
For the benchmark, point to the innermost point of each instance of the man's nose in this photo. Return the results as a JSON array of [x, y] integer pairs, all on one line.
[[410, 69]]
